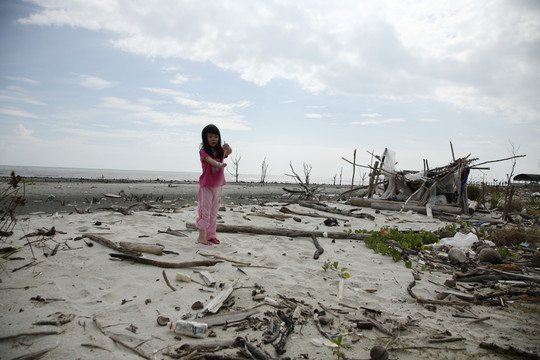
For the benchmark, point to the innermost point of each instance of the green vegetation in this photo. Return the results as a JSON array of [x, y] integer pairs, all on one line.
[[334, 266], [10, 199], [339, 350], [385, 241], [505, 252]]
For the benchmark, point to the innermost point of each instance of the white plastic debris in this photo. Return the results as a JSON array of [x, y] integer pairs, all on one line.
[[460, 240]]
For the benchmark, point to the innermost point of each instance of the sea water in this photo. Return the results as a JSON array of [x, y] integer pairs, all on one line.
[[137, 175]]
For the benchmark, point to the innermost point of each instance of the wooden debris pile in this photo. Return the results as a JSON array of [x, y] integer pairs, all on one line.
[[424, 188]]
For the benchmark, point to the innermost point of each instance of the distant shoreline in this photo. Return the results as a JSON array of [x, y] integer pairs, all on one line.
[[51, 195]]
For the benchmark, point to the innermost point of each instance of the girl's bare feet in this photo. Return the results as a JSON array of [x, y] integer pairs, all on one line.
[[201, 239]]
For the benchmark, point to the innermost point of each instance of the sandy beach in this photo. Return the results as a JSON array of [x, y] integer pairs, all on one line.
[[64, 295]]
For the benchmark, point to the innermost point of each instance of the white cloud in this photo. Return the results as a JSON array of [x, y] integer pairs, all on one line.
[[94, 82], [314, 116], [378, 122], [179, 79], [23, 79], [22, 132], [387, 48], [372, 115], [122, 104], [17, 95], [13, 111]]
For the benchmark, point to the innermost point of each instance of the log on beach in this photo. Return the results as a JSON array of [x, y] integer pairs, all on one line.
[[401, 206], [281, 232]]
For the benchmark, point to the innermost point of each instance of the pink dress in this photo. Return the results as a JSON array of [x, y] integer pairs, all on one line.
[[210, 187], [211, 176]]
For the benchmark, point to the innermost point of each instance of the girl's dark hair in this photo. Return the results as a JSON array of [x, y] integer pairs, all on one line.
[[211, 129]]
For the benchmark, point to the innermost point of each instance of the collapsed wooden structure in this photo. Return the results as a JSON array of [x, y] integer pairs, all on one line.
[[444, 187]]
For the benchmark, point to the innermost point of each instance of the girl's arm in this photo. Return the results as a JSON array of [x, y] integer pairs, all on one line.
[[214, 163], [226, 149]]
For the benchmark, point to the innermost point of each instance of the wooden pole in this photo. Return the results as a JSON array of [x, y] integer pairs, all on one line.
[[353, 172]]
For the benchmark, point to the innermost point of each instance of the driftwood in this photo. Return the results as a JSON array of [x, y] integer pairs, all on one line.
[[35, 355], [446, 339], [208, 345], [272, 333], [513, 275], [172, 232], [59, 319], [224, 258], [215, 357], [227, 318], [94, 346], [281, 232], [310, 214], [163, 264], [40, 232], [509, 292], [377, 325], [432, 301], [333, 210], [207, 278], [319, 250], [483, 278], [289, 328], [216, 303], [253, 351], [402, 206], [118, 341], [319, 327], [35, 333], [279, 217], [167, 281], [510, 350], [143, 247], [308, 192], [110, 244]]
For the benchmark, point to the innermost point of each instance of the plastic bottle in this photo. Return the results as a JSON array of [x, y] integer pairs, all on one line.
[[183, 277], [189, 328]]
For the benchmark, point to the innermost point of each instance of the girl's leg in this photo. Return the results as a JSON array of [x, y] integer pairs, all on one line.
[[201, 236], [214, 208], [204, 219]]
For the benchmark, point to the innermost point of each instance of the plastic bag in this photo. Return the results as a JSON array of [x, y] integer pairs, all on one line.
[[460, 240]]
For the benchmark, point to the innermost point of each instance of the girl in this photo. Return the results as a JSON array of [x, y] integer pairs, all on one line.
[[210, 183]]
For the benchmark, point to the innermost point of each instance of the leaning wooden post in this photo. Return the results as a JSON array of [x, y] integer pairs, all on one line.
[[353, 171], [372, 180]]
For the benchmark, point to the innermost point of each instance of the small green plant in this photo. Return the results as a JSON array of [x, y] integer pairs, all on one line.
[[450, 227], [505, 252], [338, 340], [341, 272], [326, 265]]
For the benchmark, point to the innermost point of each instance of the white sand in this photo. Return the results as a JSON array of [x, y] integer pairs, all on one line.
[[88, 284]]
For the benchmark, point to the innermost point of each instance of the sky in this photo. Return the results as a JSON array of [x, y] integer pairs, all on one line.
[[125, 84]]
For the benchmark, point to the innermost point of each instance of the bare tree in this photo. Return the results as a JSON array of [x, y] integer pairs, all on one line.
[[363, 177], [236, 161], [509, 192], [307, 172], [264, 170], [307, 192]]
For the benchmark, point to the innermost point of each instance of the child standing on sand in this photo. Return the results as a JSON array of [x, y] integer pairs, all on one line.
[[211, 183]]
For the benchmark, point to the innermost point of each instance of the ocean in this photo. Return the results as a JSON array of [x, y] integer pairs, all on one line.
[[116, 174]]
